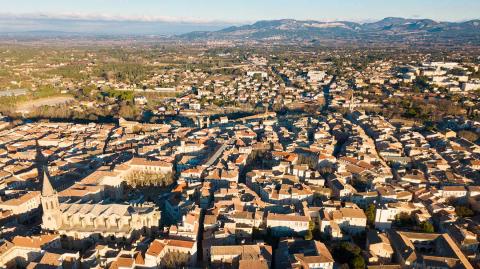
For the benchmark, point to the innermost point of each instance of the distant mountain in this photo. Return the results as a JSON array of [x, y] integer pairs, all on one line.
[[386, 30]]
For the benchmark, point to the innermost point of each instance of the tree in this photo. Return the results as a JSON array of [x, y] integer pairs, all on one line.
[[468, 135], [422, 83], [140, 178], [318, 198], [463, 211], [137, 129], [427, 227], [311, 228], [457, 72], [349, 253], [370, 212], [308, 235], [174, 259], [404, 220], [257, 77], [358, 262], [360, 184], [452, 201]]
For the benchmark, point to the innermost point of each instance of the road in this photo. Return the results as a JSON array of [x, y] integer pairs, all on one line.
[[216, 155]]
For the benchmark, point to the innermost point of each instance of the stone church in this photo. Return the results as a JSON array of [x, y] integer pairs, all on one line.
[[96, 221]]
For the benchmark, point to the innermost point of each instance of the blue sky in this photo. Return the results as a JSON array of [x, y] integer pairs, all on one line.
[[239, 11]]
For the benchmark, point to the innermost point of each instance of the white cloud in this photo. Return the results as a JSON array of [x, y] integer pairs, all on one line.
[[112, 17]]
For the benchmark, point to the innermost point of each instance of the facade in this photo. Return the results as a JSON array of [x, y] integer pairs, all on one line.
[[349, 220], [23, 207], [454, 191], [287, 224]]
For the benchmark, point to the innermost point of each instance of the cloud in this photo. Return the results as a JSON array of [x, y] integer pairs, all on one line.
[[104, 24], [112, 18]]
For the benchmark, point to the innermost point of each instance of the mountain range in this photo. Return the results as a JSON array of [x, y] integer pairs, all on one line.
[[386, 30], [287, 31]]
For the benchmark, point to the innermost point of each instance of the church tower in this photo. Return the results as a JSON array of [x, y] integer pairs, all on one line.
[[351, 105], [52, 218]]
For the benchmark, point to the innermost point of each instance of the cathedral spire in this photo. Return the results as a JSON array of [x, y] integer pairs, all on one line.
[[42, 168], [47, 189]]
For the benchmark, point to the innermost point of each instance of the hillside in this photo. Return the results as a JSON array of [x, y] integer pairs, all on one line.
[[386, 30]]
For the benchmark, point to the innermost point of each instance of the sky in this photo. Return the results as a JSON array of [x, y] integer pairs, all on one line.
[[192, 14]]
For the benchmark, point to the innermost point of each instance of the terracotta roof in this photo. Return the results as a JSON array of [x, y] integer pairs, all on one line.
[[125, 262], [250, 264], [78, 190], [155, 248], [145, 162], [22, 199], [454, 188], [139, 260], [181, 243], [51, 259], [34, 241]]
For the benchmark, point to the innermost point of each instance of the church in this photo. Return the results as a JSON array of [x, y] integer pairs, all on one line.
[[96, 221]]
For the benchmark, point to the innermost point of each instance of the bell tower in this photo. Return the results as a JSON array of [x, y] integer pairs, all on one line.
[[52, 218]]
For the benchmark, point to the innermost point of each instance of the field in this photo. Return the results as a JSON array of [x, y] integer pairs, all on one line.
[[27, 107]]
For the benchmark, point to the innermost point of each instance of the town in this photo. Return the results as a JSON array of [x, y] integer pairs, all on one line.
[[222, 158], [124, 153]]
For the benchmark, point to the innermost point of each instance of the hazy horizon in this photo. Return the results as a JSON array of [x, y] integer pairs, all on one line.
[[181, 16], [76, 25]]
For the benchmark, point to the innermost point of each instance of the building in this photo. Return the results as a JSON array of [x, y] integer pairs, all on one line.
[[283, 225], [23, 207], [299, 253], [385, 214], [316, 76], [379, 247], [234, 256], [98, 221], [159, 248], [23, 250], [146, 166], [422, 250], [349, 220], [454, 191]]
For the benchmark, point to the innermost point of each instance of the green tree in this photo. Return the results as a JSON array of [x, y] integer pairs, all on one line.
[[370, 212], [427, 227], [358, 262], [404, 220], [308, 235], [463, 211], [348, 253]]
